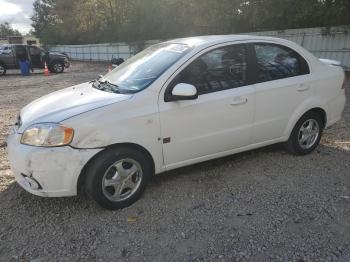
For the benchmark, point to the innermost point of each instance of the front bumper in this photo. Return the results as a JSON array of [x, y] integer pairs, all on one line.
[[47, 171], [66, 64]]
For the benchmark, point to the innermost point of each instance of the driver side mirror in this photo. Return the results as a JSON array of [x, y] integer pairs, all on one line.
[[184, 92]]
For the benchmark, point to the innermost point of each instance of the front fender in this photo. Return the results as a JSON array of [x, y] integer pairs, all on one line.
[[135, 121]]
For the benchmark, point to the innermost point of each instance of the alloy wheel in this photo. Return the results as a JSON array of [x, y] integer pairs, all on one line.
[[308, 133], [57, 67], [122, 179]]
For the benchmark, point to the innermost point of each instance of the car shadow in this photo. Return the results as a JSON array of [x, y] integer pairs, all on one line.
[[213, 164]]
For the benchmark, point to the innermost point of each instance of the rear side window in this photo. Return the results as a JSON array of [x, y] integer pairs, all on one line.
[[6, 50], [219, 69], [277, 62]]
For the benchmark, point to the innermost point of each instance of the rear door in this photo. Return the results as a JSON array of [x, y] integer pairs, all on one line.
[[220, 119], [281, 85]]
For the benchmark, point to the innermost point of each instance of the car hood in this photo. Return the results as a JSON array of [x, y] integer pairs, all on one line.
[[66, 103]]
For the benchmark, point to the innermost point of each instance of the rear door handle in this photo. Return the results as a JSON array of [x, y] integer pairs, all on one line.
[[239, 101], [303, 87]]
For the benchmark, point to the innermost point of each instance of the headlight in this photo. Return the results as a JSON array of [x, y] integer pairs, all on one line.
[[47, 134]]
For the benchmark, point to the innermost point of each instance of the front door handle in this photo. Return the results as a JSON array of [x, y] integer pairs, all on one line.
[[239, 101], [303, 87]]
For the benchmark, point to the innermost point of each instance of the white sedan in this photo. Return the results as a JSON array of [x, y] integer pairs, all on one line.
[[174, 104]]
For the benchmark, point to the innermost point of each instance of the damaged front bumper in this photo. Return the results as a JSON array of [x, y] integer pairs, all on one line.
[[47, 171]]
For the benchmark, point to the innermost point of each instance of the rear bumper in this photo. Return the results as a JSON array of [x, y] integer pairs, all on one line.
[[67, 64], [49, 172], [335, 109]]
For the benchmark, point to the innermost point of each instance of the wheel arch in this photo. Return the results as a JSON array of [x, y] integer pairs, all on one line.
[[317, 109], [82, 175], [55, 61], [321, 112]]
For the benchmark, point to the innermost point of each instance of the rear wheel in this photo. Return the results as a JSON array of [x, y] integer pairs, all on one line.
[[118, 177], [2, 69], [57, 67], [306, 134]]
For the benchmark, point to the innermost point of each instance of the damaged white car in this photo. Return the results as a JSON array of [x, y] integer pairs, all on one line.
[[174, 104]]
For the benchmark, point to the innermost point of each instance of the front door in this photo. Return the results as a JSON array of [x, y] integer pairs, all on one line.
[[220, 119], [21, 53], [35, 56]]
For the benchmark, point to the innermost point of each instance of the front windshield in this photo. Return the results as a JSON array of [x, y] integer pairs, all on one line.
[[141, 70]]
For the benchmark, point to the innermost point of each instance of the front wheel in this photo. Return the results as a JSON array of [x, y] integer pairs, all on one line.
[[118, 177], [57, 67], [306, 134]]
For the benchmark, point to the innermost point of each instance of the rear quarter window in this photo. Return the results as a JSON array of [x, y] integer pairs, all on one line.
[[278, 62]]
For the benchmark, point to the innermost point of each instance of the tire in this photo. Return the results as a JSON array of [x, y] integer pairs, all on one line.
[[57, 67], [2, 69], [305, 137], [105, 176]]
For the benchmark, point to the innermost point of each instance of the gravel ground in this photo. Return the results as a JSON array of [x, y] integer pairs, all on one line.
[[262, 205]]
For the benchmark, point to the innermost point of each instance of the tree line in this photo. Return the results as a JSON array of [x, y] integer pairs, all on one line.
[[6, 30], [100, 21]]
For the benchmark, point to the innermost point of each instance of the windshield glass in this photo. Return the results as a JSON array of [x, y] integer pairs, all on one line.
[[141, 70]]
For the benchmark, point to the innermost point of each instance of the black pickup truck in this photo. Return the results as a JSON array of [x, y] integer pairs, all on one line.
[[10, 55]]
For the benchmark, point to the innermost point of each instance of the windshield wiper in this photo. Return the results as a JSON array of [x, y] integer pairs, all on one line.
[[108, 86], [105, 85], [96, 82]]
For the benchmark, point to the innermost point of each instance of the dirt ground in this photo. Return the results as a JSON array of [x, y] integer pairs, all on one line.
[[262, 205]]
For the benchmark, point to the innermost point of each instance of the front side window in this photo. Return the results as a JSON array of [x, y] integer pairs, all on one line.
[[277, 62], [141, 70], [219, 69]]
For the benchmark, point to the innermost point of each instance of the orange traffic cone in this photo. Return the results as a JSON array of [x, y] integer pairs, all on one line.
[[109, 68], [46, 70]]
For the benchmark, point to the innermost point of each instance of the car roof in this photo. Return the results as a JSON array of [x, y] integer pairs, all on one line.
[[216, 39]]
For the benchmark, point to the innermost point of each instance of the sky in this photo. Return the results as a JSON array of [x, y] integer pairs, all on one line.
[[17, 13]]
